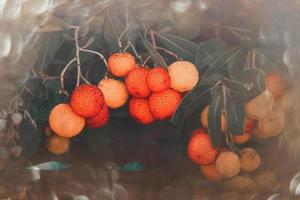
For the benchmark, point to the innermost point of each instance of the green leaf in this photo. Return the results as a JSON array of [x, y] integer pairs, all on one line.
[[219, 67], [235, 117], [133, 167], [264, 62], [190, 102], [208, 51], [182, 47], [155, 56], [113, 28], [214, 117], [49, 166], [236, 90]]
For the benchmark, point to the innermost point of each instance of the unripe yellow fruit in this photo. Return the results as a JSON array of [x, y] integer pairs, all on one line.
[[228, 164]]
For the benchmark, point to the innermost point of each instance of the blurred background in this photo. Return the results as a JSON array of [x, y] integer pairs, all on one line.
[[133, 162]]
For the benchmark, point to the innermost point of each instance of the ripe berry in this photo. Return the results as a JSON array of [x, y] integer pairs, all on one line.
[[136, 82], [164, 104], [119, 64], [58, 145], [87, 100], [158, 79], [228, 164], [139, 110], [100, 119]]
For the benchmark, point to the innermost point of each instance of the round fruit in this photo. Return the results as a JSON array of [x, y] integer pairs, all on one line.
[[210, 172], [249, 125], [197, 131], [204, 119], [184, 75], [241, 139], [228, 164], [240, 183], [136, 82], [250, 160], [163, 104], [275, 84], [58, 145], [64, 121], [114, 91], [87, 100], [119, 64], [100, 119], [200, 149], [258, 107], [266, 180], [139, 110], [273, 124], [158, 79]]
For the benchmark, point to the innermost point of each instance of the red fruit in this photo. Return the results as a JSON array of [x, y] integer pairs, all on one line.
[[99, 120], [249, 125], [164, 104], [158, 79], [139, 110], [197, 131], [136, 82], [87, 100], [200, 149]]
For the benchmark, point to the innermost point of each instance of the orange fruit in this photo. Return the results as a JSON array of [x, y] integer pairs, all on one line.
[[58, 145], [258, 107], [139, 110], [200, 149], [184, 76], [87, 100], [204, 119], [164, 104], [64, 121], [99, 120], [119, 64], [197, 131], [241, 139], [114, 91], [275, 84], [250, 160], [249, 125], [210, 172], [228, 164], [136, 82], [158, 79], [239, 183]]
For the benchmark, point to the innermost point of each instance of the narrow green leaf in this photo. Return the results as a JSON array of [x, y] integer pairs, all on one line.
[[214, 117], [190, 102], [182, 47], [264, 62], [236, 90], [51, 165], [235, 117], [208, 51], [133, 167], [155, 56]]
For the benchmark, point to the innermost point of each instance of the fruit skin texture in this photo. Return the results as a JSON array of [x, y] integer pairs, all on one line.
[[87, 100], [136, 82], [228, 164], [139, 110], [158, 79], [258, 107], [114, 91], [58, 145], [163, 104], [241, 139], [64, 121], [249, 125], [119, 64], [100, 119], [250, 160], [200, 149], [204, 119], [275, 84], [184, 75], [210, 172]]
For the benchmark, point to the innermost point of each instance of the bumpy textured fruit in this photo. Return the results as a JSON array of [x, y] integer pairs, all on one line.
[[258, 107], [276, 84], [58, 145], [164, 104], [114, 91], [204, 119], [200, 149], [241, 139], [240, 183], [228, 164], [158, 79], [87, 100], [210, 172], [184, 75], [250, 160], [139, 110], [119, 64], [100, 119], [64, 121], [136, 82]]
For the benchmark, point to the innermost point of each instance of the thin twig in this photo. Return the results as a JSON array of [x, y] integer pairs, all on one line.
[[84, 79], [63, 73], [134, 50], [77, 55], [145, 61], [97, 53], [253, 58], [177, 57], [153, 38]]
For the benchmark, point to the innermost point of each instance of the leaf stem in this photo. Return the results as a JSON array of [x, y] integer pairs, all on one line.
[[97, 53], [63, 73]]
